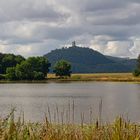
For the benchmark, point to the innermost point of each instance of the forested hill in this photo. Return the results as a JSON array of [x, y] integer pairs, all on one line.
[[86, 60]]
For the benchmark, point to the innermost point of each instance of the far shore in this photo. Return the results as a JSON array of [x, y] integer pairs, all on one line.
[[105, 77]]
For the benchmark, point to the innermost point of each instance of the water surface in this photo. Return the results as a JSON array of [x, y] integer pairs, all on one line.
[[34, 99]]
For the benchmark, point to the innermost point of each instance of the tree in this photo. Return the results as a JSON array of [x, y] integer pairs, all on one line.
[[11, 73], [137, 70], [9, 60], [0, 68], [34, 68], [24, 71], [19, 59], [39, 64], [138, 63], [62, 68], [38, 76]]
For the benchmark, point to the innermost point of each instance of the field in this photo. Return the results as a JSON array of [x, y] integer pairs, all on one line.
[[120, 77]]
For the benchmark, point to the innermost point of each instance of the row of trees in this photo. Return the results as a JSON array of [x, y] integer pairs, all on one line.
[[16, 67], [137, 70], [34, 68]]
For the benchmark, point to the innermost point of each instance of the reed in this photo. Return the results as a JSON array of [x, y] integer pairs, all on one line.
[[65, 129]]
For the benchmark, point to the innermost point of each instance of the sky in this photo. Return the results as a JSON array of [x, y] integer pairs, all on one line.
[[35, 27]]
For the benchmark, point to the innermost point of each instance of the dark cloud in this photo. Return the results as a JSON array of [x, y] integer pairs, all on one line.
[[16, 10], [34, 27]]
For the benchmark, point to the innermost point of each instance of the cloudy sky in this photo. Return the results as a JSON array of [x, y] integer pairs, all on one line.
[[35, 27]]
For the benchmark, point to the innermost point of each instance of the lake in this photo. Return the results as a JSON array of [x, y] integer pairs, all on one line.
[[83, 100]]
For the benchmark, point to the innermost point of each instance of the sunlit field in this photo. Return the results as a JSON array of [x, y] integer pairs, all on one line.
[[100, 77]]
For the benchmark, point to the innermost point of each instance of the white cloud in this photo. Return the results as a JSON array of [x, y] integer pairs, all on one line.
[[118, 48], [24, 31], [107, 46], [136, 47], [34, 27]]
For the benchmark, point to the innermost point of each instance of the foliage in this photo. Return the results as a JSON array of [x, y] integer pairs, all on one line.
[[23, 71], [9, 60], [34, 68], [62, 68], [39, 64], [137, 71], [38, 76], [138, 62], [11, 73]]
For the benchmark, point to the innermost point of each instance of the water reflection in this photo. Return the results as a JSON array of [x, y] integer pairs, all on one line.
[[118, 98]]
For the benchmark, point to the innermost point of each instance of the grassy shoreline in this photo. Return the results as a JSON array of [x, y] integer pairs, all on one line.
[[116, 77], [101, 77], [120, 129]]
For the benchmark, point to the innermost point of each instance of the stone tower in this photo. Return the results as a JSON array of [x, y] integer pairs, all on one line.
[[73, 44]]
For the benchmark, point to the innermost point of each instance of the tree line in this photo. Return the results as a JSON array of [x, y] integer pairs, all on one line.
[[16, 67]]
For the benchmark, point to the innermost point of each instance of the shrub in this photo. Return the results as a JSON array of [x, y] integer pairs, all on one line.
[[136, 73]]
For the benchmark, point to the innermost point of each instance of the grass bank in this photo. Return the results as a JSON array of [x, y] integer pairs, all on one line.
[[21, 130], [118, 77]]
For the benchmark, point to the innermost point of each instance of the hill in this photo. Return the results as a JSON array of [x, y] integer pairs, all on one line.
[[86, 60]]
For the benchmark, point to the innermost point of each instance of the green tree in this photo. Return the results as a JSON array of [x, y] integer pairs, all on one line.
[[24, 71], [34, 68], [9, 60], [0, 68], [137, 70], [39, 64], [19, 59], [11, 73], [62, 68], [138, 62], [38, 76]]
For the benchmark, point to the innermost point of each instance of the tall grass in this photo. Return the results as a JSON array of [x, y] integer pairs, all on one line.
[[120, 129]]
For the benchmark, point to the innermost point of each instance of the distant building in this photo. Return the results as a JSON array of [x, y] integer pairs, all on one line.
[[73, 44]]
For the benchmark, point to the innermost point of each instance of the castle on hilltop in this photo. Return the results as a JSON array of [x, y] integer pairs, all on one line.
[[73, 44]]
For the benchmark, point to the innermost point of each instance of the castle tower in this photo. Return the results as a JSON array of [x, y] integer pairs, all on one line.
[[73, 44]]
